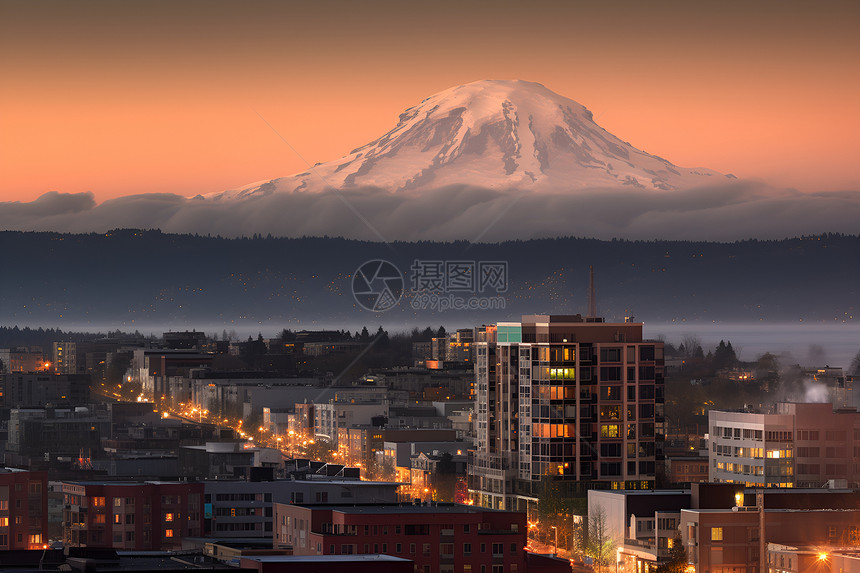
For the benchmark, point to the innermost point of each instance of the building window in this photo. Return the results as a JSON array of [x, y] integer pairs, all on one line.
[[168, 533], [412, 548], [168, 517], [467, 549], [716, 534], [398, 548], [610, 431]]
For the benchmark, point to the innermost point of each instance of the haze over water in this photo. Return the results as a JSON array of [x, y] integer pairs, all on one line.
[[840, 342]]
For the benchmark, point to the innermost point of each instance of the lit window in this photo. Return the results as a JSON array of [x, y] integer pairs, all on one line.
[[168, 533], [610, 431], [168, 517], [716, 534]]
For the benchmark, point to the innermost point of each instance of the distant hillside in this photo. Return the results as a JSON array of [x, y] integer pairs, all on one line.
[[136, 278]]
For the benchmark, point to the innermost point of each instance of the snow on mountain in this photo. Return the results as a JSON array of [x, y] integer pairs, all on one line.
[[495, 134]]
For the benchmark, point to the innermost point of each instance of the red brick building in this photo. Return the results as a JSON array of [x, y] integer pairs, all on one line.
[[727, 541], [326, 564], [438, 538], [23, 509], [139, 516], [686, 470]]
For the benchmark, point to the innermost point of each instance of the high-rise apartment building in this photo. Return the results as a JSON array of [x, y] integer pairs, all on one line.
[[571, 399]]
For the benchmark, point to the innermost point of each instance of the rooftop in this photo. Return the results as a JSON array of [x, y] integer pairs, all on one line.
[[321, 558], [386, 508]]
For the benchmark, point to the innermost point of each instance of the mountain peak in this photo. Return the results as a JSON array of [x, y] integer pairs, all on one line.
[[495, 134]]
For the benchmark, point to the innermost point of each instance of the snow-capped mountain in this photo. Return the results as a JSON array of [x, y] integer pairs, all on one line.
[[493, 134]]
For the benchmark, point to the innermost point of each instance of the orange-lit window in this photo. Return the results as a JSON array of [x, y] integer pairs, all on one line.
[[4, 522], [98, 502], [168, 533], [168, 517]]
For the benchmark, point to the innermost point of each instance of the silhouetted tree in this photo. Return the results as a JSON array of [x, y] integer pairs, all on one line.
[[677, 562], [854, 368]]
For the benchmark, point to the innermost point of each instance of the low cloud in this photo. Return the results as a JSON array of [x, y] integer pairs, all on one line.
[[724, 213]]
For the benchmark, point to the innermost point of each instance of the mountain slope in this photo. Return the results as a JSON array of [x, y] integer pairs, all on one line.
[[494, 134]]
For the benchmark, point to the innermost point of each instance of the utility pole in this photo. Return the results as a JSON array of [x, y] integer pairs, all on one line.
[[759, 501]]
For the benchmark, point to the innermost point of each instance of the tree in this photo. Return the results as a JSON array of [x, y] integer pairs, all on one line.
[[690, 342], [677, 562], [598, 543], [557, 507], [854, 369], [724, 356]]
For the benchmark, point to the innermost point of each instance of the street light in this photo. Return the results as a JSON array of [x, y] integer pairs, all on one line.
[[555, 546]]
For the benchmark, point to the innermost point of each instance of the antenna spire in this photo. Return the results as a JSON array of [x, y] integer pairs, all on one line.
[[592, 294]]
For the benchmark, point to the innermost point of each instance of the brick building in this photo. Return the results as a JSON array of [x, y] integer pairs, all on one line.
[[23, 509], [149, 515], [686, 470], [438, 538]]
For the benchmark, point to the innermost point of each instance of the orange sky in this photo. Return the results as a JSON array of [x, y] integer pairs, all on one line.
[[131, 97]]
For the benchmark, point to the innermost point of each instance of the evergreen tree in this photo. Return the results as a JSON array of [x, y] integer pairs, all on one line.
[[854, 369], [677, 562]]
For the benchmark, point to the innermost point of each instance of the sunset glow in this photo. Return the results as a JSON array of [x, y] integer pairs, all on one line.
[[123, 98]]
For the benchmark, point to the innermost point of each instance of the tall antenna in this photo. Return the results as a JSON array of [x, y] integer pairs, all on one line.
[[592, 294]]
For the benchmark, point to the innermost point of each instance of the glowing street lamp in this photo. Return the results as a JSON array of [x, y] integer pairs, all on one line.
[[555, 546]]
